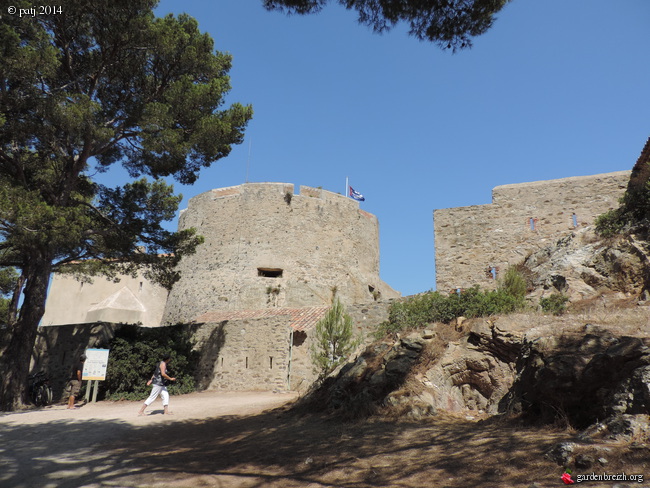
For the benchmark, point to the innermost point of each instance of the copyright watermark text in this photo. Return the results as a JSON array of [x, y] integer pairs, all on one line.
[[35, 10]]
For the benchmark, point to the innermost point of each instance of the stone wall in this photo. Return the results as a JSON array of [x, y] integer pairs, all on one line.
[[250, 354], [262, 353], [268, 247], [476, 243]]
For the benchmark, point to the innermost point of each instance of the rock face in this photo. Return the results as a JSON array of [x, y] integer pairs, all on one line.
[[419, 374], [586, 378], [581, 266], [476, 372]]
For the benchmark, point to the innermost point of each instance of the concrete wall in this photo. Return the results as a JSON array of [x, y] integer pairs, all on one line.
[[131, 300], [470, 241], [305, 244]]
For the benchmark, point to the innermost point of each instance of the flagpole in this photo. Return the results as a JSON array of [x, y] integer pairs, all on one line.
[[347, 191]]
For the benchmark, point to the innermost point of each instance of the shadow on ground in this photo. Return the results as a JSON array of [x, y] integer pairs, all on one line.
[[276, 449]]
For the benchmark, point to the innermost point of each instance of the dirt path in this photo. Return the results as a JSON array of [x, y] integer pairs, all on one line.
[[231, 440], [57, 447]]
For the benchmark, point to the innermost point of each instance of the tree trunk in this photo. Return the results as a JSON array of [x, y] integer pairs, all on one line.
[[16, 360], [15, 299]]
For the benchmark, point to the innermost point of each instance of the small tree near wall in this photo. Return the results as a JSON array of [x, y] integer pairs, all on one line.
[[335, 340]]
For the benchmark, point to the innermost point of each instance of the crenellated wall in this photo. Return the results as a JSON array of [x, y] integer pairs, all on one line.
[[266, 246], [475, 243]]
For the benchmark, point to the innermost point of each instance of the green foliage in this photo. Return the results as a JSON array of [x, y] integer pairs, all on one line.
[[135, 353], [334, 340], [610, 223], [8, 281], [433, 306], [633, 213], [450, 25], [513, 283], [555, 304], [100, 85]]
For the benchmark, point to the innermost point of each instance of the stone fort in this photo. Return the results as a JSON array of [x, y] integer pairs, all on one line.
[[475, 244], [273, 259], [266, 246], [271, 262]]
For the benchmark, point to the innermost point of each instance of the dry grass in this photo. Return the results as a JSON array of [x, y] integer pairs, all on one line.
[[282, 451]]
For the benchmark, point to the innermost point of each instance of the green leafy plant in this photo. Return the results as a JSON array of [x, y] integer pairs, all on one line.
[[633, 213], [433, 306], [513, 283], [135, 353], [555, 303], [334, 340]]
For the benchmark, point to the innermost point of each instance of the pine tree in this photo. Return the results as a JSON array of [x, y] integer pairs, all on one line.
[[94, 85], [334, 340]]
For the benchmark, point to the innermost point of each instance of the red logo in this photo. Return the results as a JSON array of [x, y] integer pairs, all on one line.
[[566, 477]]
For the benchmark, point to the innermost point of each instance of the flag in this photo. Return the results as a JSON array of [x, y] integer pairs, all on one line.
[[356, 195]]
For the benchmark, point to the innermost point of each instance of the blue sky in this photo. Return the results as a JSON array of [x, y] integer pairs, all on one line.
[[556, 88]]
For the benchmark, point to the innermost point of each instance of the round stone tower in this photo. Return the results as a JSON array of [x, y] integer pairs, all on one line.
[[268, 247]]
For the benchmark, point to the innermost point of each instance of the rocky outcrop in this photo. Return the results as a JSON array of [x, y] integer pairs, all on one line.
[[421, 373], [476, 372], [584, 377], [582, 266], [588, 377]]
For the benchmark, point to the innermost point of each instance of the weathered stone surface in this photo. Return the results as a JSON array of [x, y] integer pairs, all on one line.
[[585, 378], [263, 249], [581, 266], [561, 453], [477, 372], [470, 241]]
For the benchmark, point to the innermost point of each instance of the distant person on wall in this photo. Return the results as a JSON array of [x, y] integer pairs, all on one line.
[[74, 385], [159, 381]]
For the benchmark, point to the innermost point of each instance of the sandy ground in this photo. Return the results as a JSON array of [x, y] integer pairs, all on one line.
[[57, 447], [227, 440]]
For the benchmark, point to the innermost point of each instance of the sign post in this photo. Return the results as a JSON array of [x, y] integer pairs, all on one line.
[[95, 370]]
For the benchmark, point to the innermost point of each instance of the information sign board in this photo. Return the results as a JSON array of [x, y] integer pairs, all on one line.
[[95, 365]]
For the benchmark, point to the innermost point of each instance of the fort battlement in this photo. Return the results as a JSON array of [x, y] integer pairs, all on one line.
[[474, 245], [266, 246]]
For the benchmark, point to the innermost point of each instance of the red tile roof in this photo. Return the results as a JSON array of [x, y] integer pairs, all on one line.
[[301, 318]]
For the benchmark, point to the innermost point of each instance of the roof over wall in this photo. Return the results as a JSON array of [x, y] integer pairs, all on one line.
[[301, 318]]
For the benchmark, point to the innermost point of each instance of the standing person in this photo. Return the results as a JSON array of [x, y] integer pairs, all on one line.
[[74, 385], [159, 380]]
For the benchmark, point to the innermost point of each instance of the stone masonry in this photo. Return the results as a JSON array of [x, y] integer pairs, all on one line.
[[474, 245], [266, 247]]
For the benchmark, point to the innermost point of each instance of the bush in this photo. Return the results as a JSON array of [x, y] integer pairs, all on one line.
[[555, 304], [433, 306], [514, 283], [633, 213], [135, 353], [610, 223]]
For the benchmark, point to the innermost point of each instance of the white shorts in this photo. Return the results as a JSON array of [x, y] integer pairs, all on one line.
[[155, 391]]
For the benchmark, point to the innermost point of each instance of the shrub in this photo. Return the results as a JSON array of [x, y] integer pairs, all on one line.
[[610, 223], [334, 340], [513, 283], [633, 213], [432, 306], [555, 304], [135, 353]]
